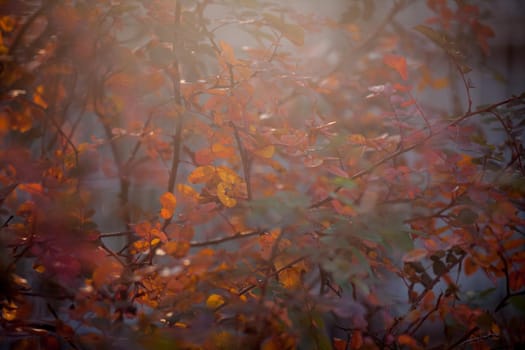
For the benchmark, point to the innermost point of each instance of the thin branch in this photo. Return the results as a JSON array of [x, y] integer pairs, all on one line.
[[114, 234], [508, 292], [112, 253], [404, 150], [226, 239], [463, 338], [244, 161], [418, 323], [275, 273], [177, 97], [18, 39]]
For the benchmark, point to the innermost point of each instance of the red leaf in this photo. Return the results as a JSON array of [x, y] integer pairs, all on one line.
[[405, 339], [398, 63]]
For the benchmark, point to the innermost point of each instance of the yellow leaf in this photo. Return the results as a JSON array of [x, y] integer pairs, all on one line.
[[214, 301], [9, 311], [201, 174], [228, 175], [290, 278], [7, 23], [357, 139], [168, 202], [39, 268], [495, 329], [222, 192], [188, 191], [266, 152]]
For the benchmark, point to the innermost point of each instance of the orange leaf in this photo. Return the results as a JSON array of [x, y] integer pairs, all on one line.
[[357, 139], [202, 174], [176, 248], [188, 191], [7, 23], [156, 232], [227, 53], [405, 339], [290, 278], [428, 300], [168, 202], [356, 341], [214, 301], [265, 152], [34, 188], [222, 151], [204, 157], [470, 266], [37, 97], [106, 273], [398, 63]]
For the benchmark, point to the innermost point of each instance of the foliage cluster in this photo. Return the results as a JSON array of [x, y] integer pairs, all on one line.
[[299, 201]]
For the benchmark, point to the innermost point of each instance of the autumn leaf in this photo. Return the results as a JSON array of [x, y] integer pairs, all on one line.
[[220, 150], [398, 63], [265, 152], [214, 301], [168, 203], [202, 174], [470, 266], [7, 23], [149, 232], [188, 192], [290, 277], [178, 249], [106, 273], [227, 52], [356, 341], [223, 191], [37, 97], [405, 339], [227, 175]]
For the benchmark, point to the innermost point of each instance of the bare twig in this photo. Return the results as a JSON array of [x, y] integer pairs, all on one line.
[[226, 239]]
